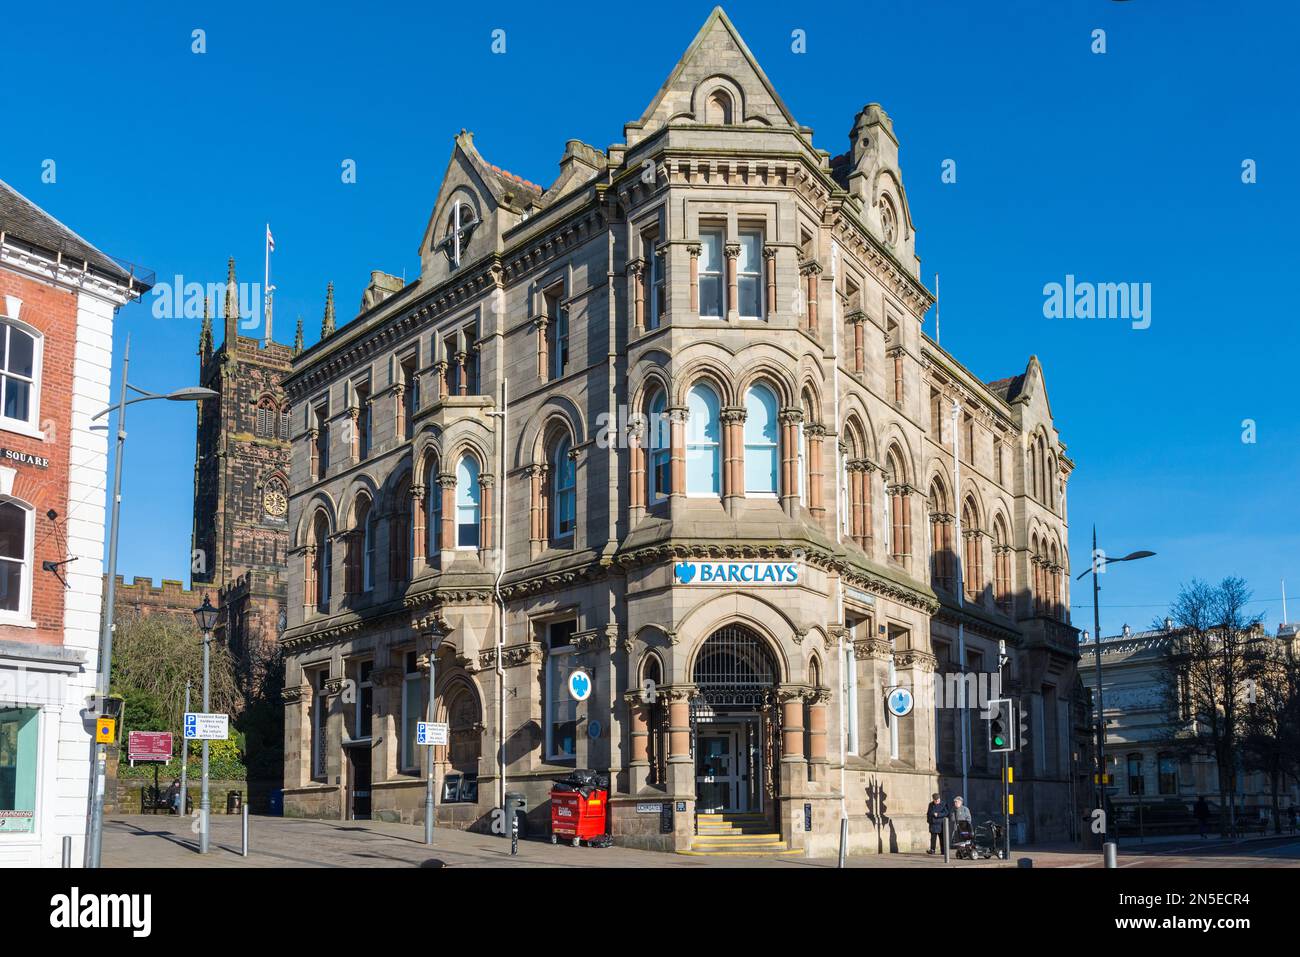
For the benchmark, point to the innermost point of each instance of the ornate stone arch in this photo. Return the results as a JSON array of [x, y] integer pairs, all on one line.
[[320, 501], [534, 432]]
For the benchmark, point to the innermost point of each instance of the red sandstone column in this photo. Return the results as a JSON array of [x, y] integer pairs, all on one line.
[[677, 439], [814, 437], [447, 540], [637, 270], [419, 560], [535, 535], [694, 250], [769, 267], [485, 540], [732, 252]]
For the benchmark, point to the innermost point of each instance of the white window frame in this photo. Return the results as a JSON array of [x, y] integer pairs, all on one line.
[[411, 701], [658, 447], [31, 425], [368, 683], [368, 550], [720, 271], [702, 443], [851, 696], [755, 274], [555, 659], [319, 721], [474, 497], [23, 614], [772, 448], [564, 462]]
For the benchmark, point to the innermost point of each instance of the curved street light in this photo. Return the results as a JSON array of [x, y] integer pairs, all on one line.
[[1099, 564], [99, 752]]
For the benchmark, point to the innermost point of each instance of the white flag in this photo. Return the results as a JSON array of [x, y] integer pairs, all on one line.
[[270, 240]]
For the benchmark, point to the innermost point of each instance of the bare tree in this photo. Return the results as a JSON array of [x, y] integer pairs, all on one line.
[[1271, 743], [155, 654], [1215, 654]]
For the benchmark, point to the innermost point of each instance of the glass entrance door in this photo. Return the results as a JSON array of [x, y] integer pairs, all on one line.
[[719, 772]]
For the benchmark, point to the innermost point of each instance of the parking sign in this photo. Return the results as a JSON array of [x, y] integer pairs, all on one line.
[[431, 732]]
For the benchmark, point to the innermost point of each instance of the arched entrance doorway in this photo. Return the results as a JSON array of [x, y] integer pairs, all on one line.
[[735, 723]]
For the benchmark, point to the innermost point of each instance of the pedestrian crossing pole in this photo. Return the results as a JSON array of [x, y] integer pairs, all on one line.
[[1007, 803]]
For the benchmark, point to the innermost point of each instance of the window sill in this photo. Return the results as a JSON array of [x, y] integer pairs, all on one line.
[[21, 428], [17, 621]]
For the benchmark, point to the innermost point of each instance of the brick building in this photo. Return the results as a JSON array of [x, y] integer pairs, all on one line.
[[58, 296], [672, 421]]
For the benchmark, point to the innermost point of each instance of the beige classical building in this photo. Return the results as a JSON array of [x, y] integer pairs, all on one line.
[[672, 421]]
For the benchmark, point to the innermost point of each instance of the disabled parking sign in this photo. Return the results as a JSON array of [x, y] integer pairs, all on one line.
[[580, 685]]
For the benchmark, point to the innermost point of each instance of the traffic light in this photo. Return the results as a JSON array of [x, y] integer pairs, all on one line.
[[1002, 725], [1022, 734]]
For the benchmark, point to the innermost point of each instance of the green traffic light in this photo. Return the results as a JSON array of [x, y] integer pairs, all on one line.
[[999, 740]]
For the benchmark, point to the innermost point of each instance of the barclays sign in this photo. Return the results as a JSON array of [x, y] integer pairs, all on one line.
[[736, 573]]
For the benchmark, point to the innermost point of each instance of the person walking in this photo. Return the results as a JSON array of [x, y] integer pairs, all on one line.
[[174, 795], [936, 813], [1202, 814]]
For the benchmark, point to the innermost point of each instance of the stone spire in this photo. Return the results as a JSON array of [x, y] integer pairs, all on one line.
[[205, 333], [327, 325], [297, 338], [232, 306]]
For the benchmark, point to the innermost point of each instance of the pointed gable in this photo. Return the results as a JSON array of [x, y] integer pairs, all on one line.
[[716, 67]]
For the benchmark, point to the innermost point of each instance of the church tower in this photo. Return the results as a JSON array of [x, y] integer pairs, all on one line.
[[241, 483]]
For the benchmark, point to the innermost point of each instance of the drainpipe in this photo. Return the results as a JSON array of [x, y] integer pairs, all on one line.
[[839, 538], [961, 604], [501, 606]]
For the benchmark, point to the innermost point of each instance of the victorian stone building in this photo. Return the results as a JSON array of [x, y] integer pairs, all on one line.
[[672, 421]]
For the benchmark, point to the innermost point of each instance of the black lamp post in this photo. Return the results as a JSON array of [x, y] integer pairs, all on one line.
[[1099, 564], [206, 617]]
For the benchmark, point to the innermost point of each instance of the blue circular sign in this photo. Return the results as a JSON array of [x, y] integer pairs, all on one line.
[[580, 685], [900, 702]]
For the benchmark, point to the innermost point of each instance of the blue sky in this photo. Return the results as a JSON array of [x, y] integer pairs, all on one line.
[[1115, 167]]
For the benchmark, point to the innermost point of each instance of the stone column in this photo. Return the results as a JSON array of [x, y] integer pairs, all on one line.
[[297, 734], [636, 269], [636, 498], [485, 540], [639, 741], [817, 761], [537, 530], [810, 271], [462, 387], [694, 250], [677, 439], [732, 252], [814, 436], [857, 319], [447, 538], [354, 433], [419, 553], [733, 456], [543, 359], [789, 475], [334, 760], [769, 269]]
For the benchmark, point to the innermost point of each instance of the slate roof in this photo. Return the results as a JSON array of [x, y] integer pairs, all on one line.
[[24, 220]]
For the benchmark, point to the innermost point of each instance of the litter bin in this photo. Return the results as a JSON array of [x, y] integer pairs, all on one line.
[[579, 807], [277, 802], [234, 802], [515, 804]]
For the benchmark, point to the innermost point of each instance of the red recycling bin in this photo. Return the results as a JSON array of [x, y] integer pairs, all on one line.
[[576, 817]]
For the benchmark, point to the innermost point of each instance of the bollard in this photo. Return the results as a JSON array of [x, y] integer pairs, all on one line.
[[67, 851], [514, 834], [844, 838], [244, 852], [946, 842], [1109, 854]]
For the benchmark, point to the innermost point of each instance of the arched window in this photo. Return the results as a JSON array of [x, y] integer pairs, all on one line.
[[973, 553], [1054, 588], [16, 548], [321, 566], [267, 414], [20, 374], [718, 108], [900, 530], [659, 450], [361, 548], [761, 446], [1001, 565], [368, 549], [432, 511], [400, 531], [942, 558], [1050, 481], [467, 502], [703, 442], [564, 489]]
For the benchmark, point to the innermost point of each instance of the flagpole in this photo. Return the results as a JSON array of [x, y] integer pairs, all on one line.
[[266, 289]]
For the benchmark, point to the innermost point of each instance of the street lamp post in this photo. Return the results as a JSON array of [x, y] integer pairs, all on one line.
[[206, 616], [1099, 564], [99, 752]]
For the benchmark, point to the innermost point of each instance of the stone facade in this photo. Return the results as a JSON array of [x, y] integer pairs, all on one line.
[[241, 485], [699, 349]]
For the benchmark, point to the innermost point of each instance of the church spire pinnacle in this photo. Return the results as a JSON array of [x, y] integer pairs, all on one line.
[[297, 337], [327, 325], [205, 333], [231, 306]]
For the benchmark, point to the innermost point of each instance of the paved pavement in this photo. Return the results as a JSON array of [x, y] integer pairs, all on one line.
[[163, 841]]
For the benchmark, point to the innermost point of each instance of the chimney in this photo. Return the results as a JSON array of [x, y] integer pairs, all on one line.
[[1169, 624], [1127, 632]]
